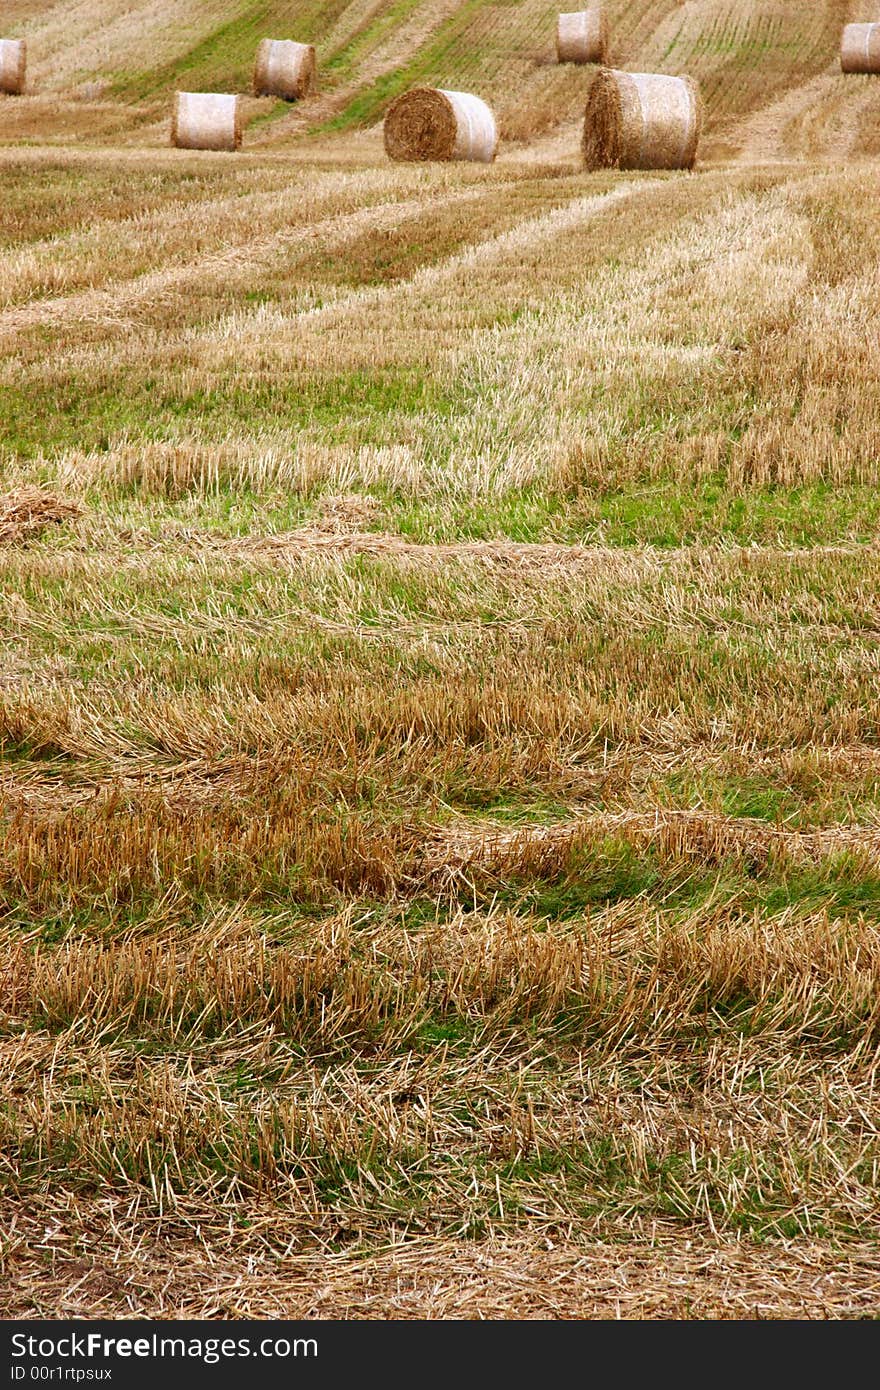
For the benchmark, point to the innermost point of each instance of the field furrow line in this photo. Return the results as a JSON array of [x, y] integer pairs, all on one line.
[[672, 834], [528, 234], [113, 305], [91, 253], [607, 560], [665, 1273]]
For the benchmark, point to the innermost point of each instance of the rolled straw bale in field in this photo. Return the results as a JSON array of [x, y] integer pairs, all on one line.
[[582, 36], [641, 120], [205, 121], [860, 48], [284, 68], [13, 61], [429, 123]]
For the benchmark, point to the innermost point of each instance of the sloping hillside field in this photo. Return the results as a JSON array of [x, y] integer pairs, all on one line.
[[439, 676]]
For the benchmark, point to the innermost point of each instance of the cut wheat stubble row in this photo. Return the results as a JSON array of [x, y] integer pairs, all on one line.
[[428, 123], [315, 541], [641, 120], [110, 766], [203, 1265], [860, 48], [456, 852], [13, 65], [611, 562], [117, 303]]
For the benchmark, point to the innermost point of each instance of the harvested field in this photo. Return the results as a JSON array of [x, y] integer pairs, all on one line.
[[439, 677]]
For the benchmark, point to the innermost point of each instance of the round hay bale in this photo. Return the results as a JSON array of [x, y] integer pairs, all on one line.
[[205, 121], [284, 68], [582, 36], [860, 48], [641, 120], [13, 62], [429, 123]]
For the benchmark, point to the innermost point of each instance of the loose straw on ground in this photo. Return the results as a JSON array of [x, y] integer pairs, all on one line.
[[640, 120], [429, 123], [13, 62], [25, 514], [206, 121], [860, 48], [284, 68], [582, 36]]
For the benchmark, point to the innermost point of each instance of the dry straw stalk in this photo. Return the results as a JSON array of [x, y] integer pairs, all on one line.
[[860, 48], [206, 121], [582, 36], [640, 120], [429, 123], [13, 63], [284, 68]]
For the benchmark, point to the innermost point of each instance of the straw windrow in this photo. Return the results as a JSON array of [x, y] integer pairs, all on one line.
[[26, 513]]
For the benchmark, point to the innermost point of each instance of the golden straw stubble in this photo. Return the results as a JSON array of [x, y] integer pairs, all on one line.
[[638, 120], [284, 68], [428, 123], [13, 65]]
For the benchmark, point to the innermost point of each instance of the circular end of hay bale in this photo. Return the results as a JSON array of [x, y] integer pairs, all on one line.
[[602, 141], [420, 125], [689, 156], [309, 69], [261, 65]]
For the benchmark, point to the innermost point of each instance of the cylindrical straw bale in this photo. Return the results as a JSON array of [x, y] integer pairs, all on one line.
[[860, 48], [582, 36], [13, 61], [641, 120], [284, 68], [206, 121], [429, 123]]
